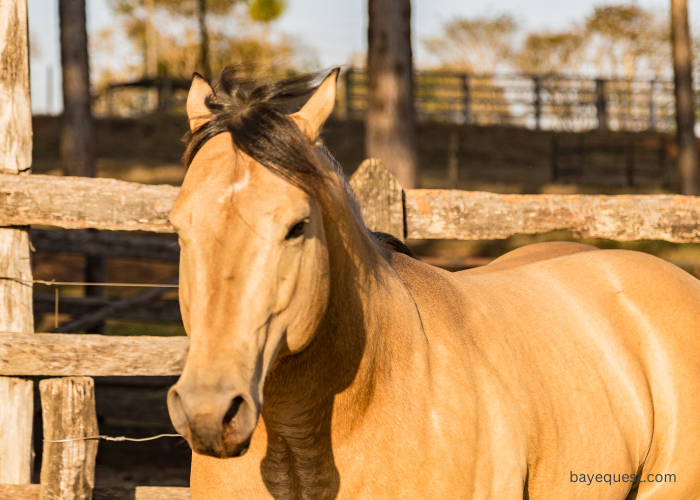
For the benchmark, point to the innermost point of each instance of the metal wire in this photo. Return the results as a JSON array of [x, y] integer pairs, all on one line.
[[83, 283], [109, 438]]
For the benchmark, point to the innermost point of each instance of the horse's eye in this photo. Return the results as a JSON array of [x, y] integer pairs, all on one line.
[[297, 230]]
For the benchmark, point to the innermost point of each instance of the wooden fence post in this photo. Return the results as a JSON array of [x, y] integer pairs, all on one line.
[[630, 160], [68, 411], [453, 162], [466, 98], [343, 95], [538, 102], [381, 198], [16, 399], [96, 272], [601, 105], [16, 415], [663, 165], [554, 158], [652, 107]]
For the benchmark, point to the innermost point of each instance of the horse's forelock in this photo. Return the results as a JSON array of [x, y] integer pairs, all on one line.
[[253, 113]]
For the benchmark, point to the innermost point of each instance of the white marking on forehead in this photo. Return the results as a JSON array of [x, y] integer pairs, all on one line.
[[235, 187]]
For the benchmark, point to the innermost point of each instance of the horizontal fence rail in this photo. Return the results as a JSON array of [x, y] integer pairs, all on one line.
[[81, 202], [464, 215], [68, 355], [74, 203], [160, 247]]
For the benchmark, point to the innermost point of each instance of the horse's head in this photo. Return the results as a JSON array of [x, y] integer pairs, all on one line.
[[254, 268]]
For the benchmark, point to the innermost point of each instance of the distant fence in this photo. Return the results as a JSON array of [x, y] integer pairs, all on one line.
[[621, 159], [537, 102]]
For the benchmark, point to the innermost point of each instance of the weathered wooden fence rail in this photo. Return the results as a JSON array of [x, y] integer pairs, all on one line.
[[68, 355], [79, 203]]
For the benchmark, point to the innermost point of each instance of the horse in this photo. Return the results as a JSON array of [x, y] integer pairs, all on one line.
[[326, 362]]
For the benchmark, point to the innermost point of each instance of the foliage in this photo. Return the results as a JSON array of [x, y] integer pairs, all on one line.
[[628, 41], [239, 32], [266, 10], [477, 45], [548, 53], [614, 41]]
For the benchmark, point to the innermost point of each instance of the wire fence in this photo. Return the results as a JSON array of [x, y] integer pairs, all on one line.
[[557, 103]]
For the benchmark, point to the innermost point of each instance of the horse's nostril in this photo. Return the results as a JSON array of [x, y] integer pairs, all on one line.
[[177, 412], [233, 410]]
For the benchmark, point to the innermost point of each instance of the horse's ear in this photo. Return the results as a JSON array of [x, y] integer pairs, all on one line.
[[197, 111], [316, 111]]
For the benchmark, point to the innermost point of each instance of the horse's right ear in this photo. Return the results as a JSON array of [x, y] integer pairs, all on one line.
[[311, 117], [197, 111]]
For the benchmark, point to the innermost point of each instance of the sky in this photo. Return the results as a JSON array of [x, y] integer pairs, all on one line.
[[335, 29]]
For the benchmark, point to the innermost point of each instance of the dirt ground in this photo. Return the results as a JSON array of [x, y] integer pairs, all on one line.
[[148, 150]]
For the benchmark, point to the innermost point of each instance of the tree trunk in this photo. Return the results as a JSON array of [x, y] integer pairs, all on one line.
[[77, 144], [77, 141], [203, 39], [151, 54], [685, 108], [389, 122]]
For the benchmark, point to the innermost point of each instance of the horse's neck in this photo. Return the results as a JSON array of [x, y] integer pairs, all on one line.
[[366, 298], [335, 378]]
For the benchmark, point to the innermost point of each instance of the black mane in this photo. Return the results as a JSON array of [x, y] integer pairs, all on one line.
[[255, 114]]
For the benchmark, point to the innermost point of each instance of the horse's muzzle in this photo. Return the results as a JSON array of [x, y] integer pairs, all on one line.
[[214, 424]]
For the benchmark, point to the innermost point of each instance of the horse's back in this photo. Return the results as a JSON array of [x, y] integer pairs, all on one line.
[[529, 254]]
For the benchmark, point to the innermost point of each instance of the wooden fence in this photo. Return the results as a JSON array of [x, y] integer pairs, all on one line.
[[67, 401], [78, 203]]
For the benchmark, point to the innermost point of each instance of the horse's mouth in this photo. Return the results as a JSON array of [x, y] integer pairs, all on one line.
[[223, 445]]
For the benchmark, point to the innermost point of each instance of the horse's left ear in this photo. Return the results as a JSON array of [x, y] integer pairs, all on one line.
[[316, 111], [197, 111]]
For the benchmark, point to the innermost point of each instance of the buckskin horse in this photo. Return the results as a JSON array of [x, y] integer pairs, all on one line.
[[326, 364]]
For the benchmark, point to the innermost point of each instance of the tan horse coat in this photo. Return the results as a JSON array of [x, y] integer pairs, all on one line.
[[501, 382]]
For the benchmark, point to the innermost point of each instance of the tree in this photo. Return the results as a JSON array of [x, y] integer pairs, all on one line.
[[77, 138], [614, 41], [137, 15], [479, 45], [77, 142], [627, 41], [204, 66], [389, 121], [685, 107], [550, 53]]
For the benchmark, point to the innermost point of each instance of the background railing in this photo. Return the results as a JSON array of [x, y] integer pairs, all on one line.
[[537, 102]]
